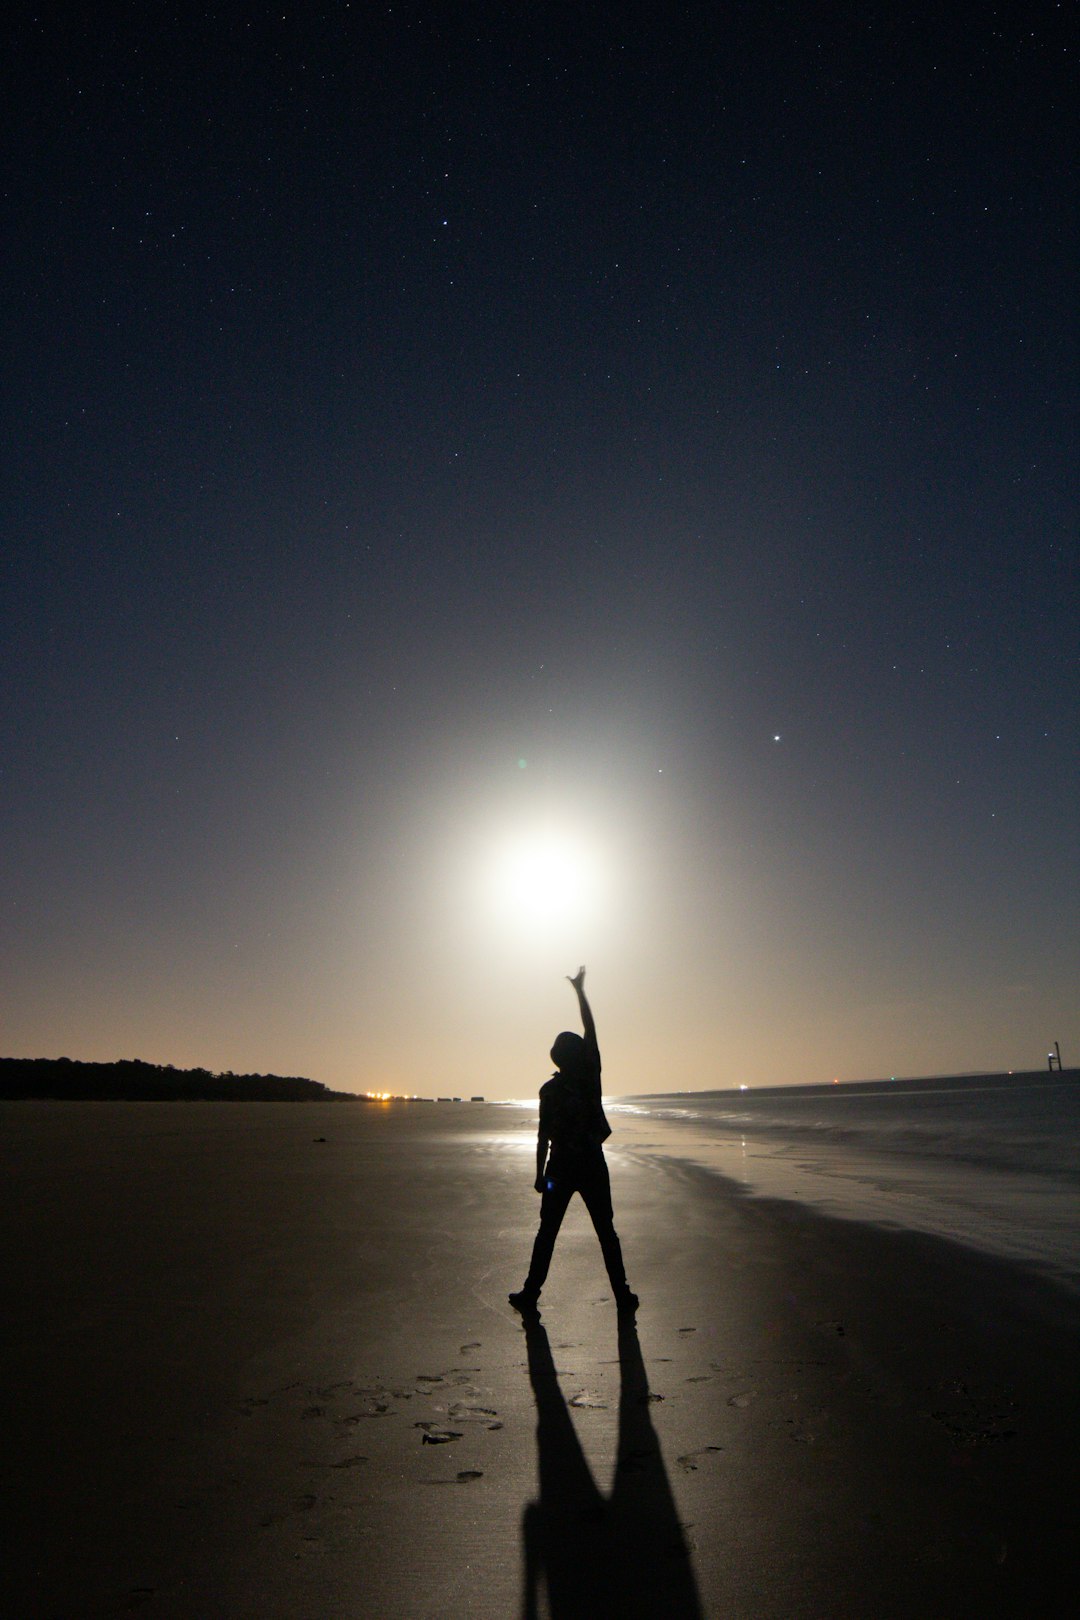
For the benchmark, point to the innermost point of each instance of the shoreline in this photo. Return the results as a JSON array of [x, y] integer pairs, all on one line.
[[265, 1375], [891, 1194]]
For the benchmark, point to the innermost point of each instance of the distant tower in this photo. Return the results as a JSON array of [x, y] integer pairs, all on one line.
[[1053, 1059]]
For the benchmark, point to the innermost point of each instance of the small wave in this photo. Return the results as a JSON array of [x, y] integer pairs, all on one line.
[[994, 1165], [1025, 1129]]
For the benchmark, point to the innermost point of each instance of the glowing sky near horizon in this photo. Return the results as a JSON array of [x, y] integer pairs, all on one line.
[[489, 494]]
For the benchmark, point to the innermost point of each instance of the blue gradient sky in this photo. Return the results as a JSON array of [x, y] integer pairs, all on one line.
[[444, 430]]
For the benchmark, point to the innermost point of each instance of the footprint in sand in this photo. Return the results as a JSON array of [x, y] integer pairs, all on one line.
[[467, 1475], [328, 1393], [688, 1330], [433, 1435], [250, 1404], [470, 1414], [369, 1409], [743, 1398], [463, 1347], [797, 1431], [589, 1402], [692, 1461], [303, 1504]]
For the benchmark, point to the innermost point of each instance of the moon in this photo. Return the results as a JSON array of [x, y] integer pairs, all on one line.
[[544, 876]]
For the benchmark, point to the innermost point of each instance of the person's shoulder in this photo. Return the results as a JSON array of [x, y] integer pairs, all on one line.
[[550, 1088]]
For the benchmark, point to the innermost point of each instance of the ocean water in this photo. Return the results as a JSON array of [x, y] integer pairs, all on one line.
[[992, 1161]]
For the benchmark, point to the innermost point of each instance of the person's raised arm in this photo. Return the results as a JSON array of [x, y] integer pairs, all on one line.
[[578, 982]]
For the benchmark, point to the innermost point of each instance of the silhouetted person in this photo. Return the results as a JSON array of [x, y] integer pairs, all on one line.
[[574, 1128]]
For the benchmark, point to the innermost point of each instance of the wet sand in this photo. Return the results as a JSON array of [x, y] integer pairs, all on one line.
[[259, 1362]]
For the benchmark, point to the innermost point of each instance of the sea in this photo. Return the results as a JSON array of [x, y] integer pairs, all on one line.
[[991, 1160]]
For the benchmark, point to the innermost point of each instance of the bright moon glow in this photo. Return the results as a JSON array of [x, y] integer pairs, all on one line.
[[545, 877]]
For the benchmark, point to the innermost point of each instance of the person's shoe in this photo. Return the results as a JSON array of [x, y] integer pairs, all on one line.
[[524, 1300], [626, 1301]]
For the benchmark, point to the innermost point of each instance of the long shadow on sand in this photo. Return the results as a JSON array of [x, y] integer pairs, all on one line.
[[623, 1555]]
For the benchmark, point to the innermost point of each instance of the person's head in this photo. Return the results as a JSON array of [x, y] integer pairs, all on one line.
[[568, 1053]]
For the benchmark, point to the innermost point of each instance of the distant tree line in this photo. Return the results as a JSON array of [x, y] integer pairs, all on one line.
[[131, 1080]]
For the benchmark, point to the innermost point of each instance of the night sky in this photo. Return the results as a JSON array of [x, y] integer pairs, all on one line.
[[491, 488]]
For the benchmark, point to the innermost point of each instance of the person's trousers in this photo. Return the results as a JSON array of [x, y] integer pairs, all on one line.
[[587, 1175]]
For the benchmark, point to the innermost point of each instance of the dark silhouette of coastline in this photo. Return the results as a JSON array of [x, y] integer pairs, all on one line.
[[131, 1080], [619, 1556]]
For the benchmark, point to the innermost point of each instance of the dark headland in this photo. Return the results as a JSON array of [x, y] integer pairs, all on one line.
[[129, 1079]]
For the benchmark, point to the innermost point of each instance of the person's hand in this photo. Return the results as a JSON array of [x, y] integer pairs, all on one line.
[[578, 980], [540, 1184]]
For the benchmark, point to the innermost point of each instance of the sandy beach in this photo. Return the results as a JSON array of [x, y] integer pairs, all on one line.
[[259, 1362]]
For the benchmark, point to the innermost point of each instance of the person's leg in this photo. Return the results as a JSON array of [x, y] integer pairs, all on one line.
[[553, 1206], [595, 1189]]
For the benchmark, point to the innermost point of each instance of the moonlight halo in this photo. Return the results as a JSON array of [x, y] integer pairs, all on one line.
[[542, 878]]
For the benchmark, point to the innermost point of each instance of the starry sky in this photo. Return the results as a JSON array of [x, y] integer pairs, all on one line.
[[491, 488]]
